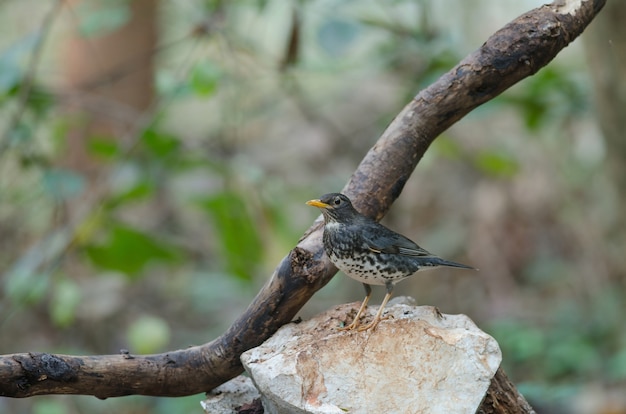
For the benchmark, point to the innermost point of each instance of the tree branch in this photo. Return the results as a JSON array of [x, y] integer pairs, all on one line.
[[503, 398], [514, 52]]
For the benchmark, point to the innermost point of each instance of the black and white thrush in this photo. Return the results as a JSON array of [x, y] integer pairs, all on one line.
[[369, 252]]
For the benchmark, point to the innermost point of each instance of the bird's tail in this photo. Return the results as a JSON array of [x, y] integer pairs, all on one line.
[[441, 262]]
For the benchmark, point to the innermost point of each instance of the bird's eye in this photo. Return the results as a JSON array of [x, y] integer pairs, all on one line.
[[337, 201]]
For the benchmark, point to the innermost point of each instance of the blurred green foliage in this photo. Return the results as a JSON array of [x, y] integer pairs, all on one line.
[[240, 243], [60, 185], [497, 163], [128, 250], [98, 18], [205, 78], [64, 302], [574, 340], [550, 95], [12, 62], [148, 335]]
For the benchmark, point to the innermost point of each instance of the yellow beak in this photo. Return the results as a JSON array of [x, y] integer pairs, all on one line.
[[317, 203]]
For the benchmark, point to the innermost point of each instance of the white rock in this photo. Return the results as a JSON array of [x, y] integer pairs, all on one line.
[[230, 396], [418, 362]]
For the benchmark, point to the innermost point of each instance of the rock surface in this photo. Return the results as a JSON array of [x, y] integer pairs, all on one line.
[[420, 361], [231, 397]]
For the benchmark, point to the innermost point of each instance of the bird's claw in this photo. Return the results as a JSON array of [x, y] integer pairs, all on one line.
[[373, 324], [355, 323]]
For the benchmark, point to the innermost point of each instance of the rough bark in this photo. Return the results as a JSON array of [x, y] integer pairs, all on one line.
[[503, 398], [514, 52]]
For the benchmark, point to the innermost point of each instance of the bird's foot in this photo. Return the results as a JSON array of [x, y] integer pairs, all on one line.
[[373, 324], [356, 321], [355, 324]]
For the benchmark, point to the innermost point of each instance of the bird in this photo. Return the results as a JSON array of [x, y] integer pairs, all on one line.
[[369, 252]]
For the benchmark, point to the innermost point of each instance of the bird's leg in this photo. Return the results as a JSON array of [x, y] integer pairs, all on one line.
[[355, 322], [372, 325]]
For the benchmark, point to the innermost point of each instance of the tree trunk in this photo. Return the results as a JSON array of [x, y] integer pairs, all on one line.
[[112, 79], [605, 45]]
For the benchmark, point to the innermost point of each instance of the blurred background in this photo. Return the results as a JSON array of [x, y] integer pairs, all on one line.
[[155, 158]]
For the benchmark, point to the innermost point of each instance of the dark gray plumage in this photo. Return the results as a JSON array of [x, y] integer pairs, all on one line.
[[369, 252]]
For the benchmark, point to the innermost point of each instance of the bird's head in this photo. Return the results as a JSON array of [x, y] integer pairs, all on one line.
[[335, 207]]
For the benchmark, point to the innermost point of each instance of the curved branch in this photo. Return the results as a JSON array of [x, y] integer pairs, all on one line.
[[514, 52]]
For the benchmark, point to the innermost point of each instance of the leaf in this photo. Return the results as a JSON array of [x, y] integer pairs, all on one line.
[[89, 227], [336, 36], [26, 287], [104, 147], [617, 366], [169, 85], [148, 334], [139, 191], [239, 241], [22, 132], [12, 61], [205, 78], [65, 300], [497, 164], [447, 147], [160, 144], [550, 94], [23, 282], [40, 101], [520, 342], [103, 17], [61, 184], [47, 405], [567, 356], [128, 250]]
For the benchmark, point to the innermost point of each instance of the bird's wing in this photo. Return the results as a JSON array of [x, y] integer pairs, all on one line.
[[390, 242]]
